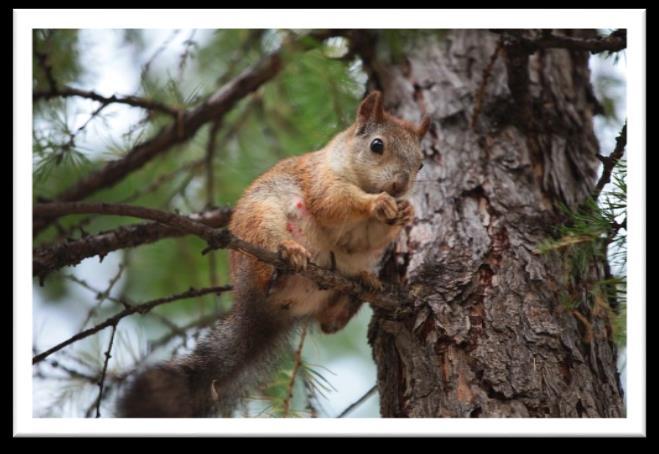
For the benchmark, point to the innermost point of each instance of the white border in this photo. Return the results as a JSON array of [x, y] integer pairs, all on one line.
[[632, 20]]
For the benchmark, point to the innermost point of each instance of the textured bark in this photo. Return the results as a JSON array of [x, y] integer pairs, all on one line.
[[489, 336]]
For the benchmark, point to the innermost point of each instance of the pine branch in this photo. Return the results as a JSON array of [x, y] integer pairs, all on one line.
[[49, 258], [101, 381], [392, 299]]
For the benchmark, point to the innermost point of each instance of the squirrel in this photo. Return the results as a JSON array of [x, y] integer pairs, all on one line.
[[338, 207]]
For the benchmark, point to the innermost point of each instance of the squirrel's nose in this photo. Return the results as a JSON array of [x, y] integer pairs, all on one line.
[[399, 184]]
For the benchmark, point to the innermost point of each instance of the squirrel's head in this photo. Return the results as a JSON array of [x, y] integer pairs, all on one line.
[[384, 151]]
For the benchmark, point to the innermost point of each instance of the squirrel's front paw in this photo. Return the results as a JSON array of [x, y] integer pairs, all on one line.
[[294, 254], [405, 213], [384, 208]]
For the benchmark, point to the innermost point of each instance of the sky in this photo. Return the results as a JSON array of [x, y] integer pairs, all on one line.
[[112, 70]]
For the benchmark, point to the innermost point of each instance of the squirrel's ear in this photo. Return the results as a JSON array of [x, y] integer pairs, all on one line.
[[423, 127], [370, 110]]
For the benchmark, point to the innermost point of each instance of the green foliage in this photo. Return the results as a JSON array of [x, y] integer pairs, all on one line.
[[594, 234], [56, 156]]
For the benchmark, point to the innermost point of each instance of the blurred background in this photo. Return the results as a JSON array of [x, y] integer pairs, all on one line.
[[313, 98]]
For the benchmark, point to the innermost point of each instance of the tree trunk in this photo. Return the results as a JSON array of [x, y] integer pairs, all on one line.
[[511, 140]]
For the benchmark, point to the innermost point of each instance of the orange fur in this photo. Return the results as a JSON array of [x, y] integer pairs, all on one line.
[[335, 205]]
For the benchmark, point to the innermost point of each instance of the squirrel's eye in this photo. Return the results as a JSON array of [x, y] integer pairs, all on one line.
[[377, 146], [421, 166]]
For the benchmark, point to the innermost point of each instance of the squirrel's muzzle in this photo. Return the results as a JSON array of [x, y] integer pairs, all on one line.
[[398, 185]]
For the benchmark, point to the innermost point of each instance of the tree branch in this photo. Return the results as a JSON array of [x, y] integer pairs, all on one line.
[[358, 402], [181, 223], [101, 381], [49, 258], [392, 299], [141, 309], [614, 42]]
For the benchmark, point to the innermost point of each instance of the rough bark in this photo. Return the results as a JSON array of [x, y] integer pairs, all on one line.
[[490, 336]]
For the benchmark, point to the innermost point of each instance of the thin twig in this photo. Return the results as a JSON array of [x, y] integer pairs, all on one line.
[[358, 402], [134, 101], [158, 51], [182, 331], [296, 365], [139, 308], [101, 381], [189, 44], [609, 162], [101, 297]]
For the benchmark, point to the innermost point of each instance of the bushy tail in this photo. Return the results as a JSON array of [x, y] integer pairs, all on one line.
[[238, 354]]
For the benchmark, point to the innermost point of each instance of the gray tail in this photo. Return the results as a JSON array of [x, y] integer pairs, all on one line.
[[238, 354]]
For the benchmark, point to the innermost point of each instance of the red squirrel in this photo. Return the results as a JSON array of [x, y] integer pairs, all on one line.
[[338, 207]]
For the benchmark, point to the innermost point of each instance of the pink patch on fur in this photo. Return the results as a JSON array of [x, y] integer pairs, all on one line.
[[300, 205], [289, 227]]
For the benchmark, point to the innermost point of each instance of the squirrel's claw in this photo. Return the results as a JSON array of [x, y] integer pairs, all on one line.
[[294, 254], [405, 213]]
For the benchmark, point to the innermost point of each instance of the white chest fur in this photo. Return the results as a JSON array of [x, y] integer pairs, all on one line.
[[350, 248]]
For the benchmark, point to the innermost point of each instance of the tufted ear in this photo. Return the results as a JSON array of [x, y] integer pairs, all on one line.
[[423, 127], [370, 110]]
